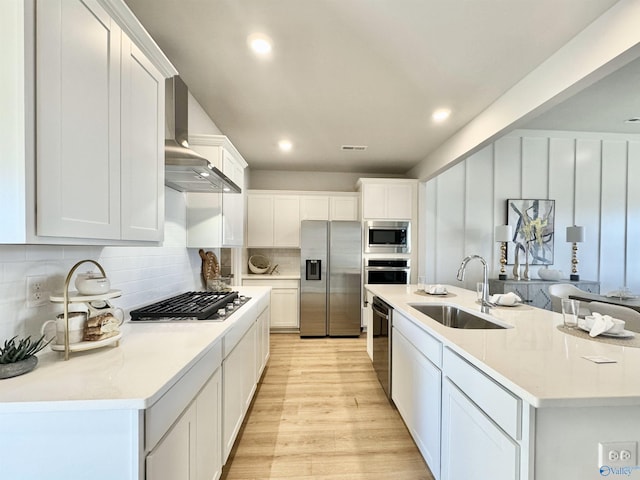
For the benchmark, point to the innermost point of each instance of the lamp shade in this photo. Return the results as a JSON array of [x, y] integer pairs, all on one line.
[[503, 233], [575, 234]]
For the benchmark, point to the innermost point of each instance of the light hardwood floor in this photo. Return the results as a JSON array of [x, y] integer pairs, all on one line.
[[320, 413]]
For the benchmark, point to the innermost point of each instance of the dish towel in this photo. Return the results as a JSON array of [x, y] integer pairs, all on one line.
[[505, 298], [601, 324]]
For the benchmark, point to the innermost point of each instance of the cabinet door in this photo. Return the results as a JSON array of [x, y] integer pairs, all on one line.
[[262, 342], [208, 435], [416, 391], [78, 120], [174, 457], [286, 221], [314, 207], [344, 208], [232, 204], [399, 200], [472, 445], [142, 136], [284, 308], [374, 198], [260, 227]]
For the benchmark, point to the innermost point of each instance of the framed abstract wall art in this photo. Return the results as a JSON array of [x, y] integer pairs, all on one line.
[[531, 222]]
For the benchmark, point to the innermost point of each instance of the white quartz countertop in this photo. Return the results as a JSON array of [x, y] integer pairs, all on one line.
[[151, 357], [534, 359]]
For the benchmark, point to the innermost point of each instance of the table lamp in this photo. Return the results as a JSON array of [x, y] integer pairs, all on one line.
[[575, 235], [503, 234]]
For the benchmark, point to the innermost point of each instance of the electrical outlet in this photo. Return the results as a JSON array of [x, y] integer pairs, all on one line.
[[617, 454], [37, 291]]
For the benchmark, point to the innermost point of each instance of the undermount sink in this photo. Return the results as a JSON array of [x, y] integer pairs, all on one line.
[[454, 317]]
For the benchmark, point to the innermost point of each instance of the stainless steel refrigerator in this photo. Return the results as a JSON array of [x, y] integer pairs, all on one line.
[[330, 278]]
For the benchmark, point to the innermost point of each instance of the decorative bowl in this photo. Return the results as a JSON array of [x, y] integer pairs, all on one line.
[[91, 283], [259, 264], [549, 274]]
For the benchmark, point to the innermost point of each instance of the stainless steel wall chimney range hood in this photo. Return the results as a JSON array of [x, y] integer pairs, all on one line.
[[185, 169]]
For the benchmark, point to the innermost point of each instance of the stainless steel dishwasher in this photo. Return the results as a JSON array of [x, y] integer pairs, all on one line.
[[382, 314]]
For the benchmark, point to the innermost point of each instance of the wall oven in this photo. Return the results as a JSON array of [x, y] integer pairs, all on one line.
[[387, 270], [382, 343], [387, 237]]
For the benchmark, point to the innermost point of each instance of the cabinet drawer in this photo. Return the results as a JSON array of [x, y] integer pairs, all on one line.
[[502, 406], [162, 414], [242, 325], [425, 343]]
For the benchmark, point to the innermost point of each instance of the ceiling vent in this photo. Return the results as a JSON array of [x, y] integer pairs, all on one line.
[[352, 148], [633, 120]]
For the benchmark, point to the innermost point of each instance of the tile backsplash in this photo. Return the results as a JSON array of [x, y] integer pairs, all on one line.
[[143, 273], [287, 259]]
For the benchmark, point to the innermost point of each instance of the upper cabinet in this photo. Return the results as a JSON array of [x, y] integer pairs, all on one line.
[[273, 217], [217, 219], [93, 158], [388, 198]]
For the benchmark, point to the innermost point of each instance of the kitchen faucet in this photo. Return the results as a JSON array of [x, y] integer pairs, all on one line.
[[485, 282]]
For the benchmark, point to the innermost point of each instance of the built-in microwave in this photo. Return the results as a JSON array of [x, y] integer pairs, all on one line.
[[387, 237]]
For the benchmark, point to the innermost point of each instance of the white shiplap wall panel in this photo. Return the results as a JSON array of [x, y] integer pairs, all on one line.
[[561, 189], [450, 223], [429, 219], [633, 218], [587, 205], [535, 167], [479, 216], [507, 174], [613, 213]]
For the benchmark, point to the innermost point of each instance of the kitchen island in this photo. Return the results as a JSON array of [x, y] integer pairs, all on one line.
[[513, 403], [169, 400]]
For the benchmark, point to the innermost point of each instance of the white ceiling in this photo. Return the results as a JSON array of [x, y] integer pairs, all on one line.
[[358, 72]]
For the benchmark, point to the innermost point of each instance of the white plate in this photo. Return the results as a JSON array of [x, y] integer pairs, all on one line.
[[623, 334], [517, 304], [442, 293], [82, 346]]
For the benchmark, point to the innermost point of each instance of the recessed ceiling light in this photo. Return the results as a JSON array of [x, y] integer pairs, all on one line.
[[285, 145], [260, 44], [441, 115]]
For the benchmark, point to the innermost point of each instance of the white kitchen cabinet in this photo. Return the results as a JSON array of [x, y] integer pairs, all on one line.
[[174, 457], [273, 220], [78, 120], [191, 450], [239, 381], [285, 301], [416, 388], [473, 446], [100, 124], [142, 146], [344, 207], [262, 343], [388, 199], [217, 219], [329, 207], [314, 207]]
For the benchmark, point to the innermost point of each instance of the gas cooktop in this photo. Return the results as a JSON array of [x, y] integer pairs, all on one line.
[[190, 306]]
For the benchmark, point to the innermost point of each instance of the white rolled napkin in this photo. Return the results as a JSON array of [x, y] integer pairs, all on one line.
[[601, 324], [436, 289], [505, 298]]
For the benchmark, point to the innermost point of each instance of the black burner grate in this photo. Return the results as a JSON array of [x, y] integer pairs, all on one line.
[[200, 305]]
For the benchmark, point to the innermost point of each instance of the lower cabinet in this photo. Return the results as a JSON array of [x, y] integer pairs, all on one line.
[[285, 301], [191, 449], [473, 446], [416, 391]]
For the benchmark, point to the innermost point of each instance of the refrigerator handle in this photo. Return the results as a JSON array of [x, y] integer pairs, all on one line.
[[313, 269]]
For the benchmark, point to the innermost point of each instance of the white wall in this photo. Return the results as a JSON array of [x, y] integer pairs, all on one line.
[[590, 177], [310, 181]]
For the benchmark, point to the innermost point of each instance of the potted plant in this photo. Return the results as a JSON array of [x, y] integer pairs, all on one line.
[[18, 357]]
